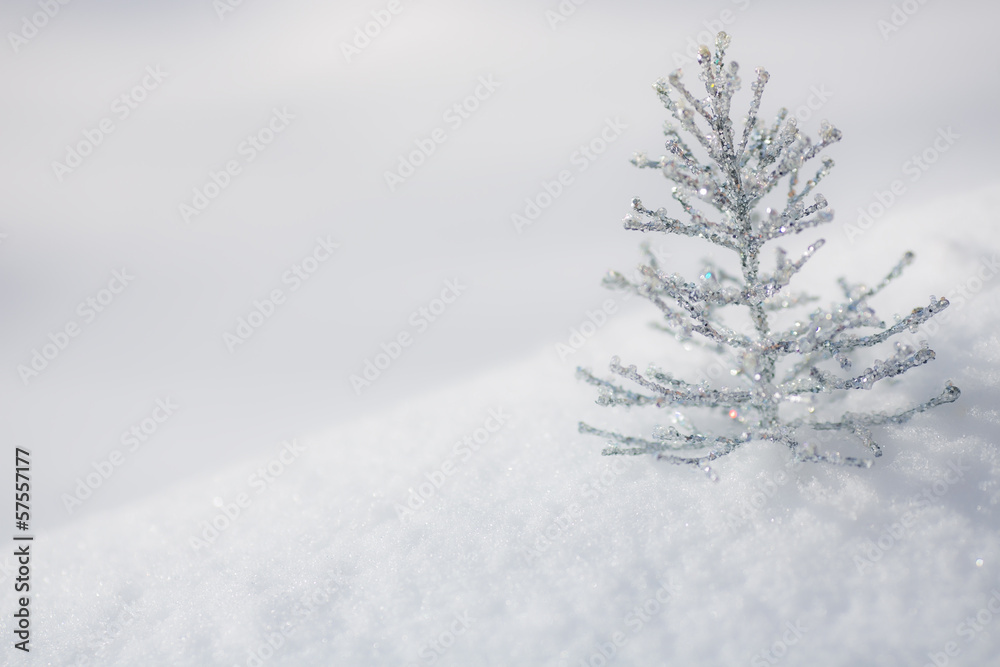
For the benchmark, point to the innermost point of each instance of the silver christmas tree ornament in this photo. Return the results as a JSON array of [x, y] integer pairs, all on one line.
[[778, 373]]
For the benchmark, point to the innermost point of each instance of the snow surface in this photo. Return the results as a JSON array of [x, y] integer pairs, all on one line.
[[321, 551], [537, 550]]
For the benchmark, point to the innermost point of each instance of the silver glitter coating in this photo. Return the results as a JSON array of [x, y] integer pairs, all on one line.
[[740, 173]]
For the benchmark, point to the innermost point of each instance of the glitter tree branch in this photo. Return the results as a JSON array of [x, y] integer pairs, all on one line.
[[719, 200]]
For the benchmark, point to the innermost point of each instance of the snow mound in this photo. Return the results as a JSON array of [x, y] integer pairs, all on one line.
[[475, 526]]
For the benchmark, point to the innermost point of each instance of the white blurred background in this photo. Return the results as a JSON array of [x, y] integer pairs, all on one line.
[[890, 92]]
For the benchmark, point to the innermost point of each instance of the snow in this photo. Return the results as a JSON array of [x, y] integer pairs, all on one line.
[[532, 549], [537, 550]]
